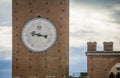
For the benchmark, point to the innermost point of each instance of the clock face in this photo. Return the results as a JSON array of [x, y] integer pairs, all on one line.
[[39, 34]]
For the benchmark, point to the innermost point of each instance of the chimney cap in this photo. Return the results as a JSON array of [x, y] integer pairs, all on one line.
[[109, 43], [92, 42]]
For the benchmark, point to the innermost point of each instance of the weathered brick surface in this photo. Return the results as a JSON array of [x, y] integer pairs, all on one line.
[[108, 46], [100, 63], [54, 62], [100, 66], [91, 46]]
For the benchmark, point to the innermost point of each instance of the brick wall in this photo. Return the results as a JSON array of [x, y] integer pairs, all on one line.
[[99, 63], [54, 62]]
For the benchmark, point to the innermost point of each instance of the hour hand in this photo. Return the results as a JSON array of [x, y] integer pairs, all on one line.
[[40, 35], [45, 36]]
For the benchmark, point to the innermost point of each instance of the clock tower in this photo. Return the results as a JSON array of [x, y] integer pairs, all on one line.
[[40, 39]]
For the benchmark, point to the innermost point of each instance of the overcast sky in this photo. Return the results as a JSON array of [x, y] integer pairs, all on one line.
[[90, 20], [5, 38]]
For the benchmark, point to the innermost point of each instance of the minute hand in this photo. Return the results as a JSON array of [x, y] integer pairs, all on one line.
[[40, 35]]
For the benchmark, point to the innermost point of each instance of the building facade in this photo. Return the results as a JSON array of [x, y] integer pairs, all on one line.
[[53, 62], [103, 64]]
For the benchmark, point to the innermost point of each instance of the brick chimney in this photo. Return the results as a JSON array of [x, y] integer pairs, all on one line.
[[91, 46], [108, 46]]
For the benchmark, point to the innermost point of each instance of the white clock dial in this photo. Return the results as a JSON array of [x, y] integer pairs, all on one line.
[[39, 34]]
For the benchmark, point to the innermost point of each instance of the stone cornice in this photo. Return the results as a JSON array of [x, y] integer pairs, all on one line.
[[98, 53]]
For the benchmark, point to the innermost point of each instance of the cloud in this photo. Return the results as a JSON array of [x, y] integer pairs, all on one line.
[[5, 55], [6, 12], [97, 3], [6, 38], [93, 24], [116, 16], [5, 42], [111, 7], [92, 20]]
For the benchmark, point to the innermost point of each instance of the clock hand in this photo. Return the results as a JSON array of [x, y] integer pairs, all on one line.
[[39, 35], [45, 36]]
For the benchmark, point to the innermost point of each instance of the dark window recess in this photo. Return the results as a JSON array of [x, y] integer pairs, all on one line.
[[16, 67], [31, 11], [118, 75], [62, 75], [18, 43], [30, 59], [39, 16], [105, 69], [91, 69], [16, 59], [60, 66], [60, 33], [45, 58], [30, 51], [17, 51], [46, 3], [16, 18], [30, 3], [20, 75], [112, 75], [48, 11], [61, 2], [58, 50], [60, 18], [15, 11], [60, 26], [59, 43], [29, 66], [16, 3], [63, 10], [60, 58]]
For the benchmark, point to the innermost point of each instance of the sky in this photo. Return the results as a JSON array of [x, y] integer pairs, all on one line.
[[90, 20], [5, 38]]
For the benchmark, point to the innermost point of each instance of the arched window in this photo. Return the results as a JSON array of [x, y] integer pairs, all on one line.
[[111, 75], [118, 75]]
